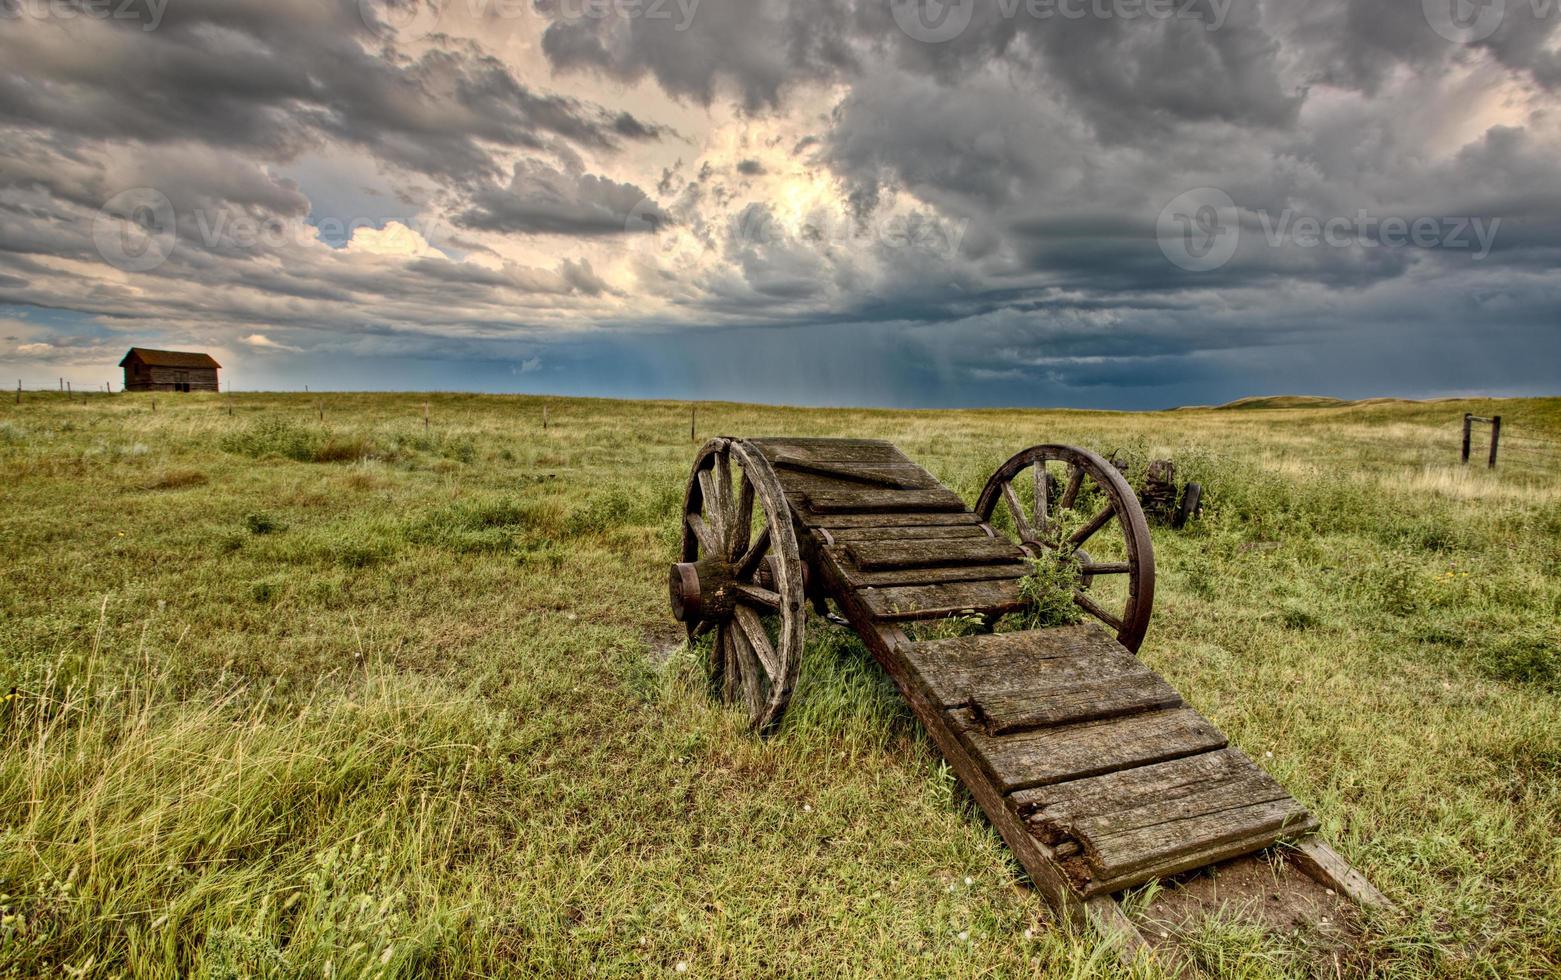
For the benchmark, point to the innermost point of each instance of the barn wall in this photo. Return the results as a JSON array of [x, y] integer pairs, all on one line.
[[166, 379]]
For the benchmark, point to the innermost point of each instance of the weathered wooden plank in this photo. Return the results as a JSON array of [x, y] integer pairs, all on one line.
[[917, 602], [1129, 788], [1322, 863], [1137, 854], [875, 500], [1091, 748], [1086, 699], [868, 451], [841, 522], [899, 476], [911, 533], [820, 443], [1187, 859], [879, 555], [994, 664], [808, 484], [1127, 827], [931, 576]]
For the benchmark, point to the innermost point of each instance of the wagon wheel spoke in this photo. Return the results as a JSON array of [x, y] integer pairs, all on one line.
[[1042, 482], [707, 537], [749, 562], [1086, 532], [725, 504], [755, 595], [1015, 508], [1090, 569], [727, 651], [1094, 609], [716, 658], [712, 507], [759, 639], [752, 672], [742, 520], [1075, 483]]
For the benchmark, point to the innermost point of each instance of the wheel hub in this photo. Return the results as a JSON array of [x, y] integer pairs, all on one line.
[[684, 586]]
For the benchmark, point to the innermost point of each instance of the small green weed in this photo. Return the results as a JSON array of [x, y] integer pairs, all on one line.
[[1048, 591], [263, 524]]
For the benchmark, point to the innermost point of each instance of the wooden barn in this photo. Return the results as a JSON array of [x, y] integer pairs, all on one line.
[[169, 370]]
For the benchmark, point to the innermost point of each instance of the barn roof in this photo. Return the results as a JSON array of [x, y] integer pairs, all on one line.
[[169, 358]]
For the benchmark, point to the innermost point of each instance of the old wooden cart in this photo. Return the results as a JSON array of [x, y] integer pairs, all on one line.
[[1089, 764]]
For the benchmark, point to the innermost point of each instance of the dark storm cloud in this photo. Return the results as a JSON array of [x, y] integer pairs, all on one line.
[[276, 77], [542, 200], [692, 47]]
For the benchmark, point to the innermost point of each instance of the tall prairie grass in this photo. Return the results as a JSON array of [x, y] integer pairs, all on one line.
[[358, 698]]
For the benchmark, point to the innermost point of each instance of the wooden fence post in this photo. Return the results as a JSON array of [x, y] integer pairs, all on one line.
[[1468, 435], [425, 417], [544, 418], [1495, 439], [18, 391], [691, 413]]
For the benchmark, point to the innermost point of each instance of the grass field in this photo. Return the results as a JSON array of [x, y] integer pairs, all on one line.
[[355, 698]]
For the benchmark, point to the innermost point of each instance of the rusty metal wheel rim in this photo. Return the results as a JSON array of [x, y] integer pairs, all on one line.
[[1033, 528], [759, 615]]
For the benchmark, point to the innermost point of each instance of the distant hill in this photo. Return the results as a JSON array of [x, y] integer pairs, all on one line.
[[1284, 401]]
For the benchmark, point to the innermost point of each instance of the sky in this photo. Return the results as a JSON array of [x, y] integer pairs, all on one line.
[[1099, 203]]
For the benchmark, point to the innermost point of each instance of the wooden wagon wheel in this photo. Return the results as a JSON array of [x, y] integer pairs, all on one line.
[[1038, 510], [741, 578]]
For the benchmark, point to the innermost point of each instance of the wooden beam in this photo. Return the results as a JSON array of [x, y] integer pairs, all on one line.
[[1322, 863]]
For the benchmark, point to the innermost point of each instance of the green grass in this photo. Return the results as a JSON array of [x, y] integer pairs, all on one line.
[[354, 698]]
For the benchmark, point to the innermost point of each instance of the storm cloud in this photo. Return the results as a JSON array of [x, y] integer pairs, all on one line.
[[1126, 202]]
